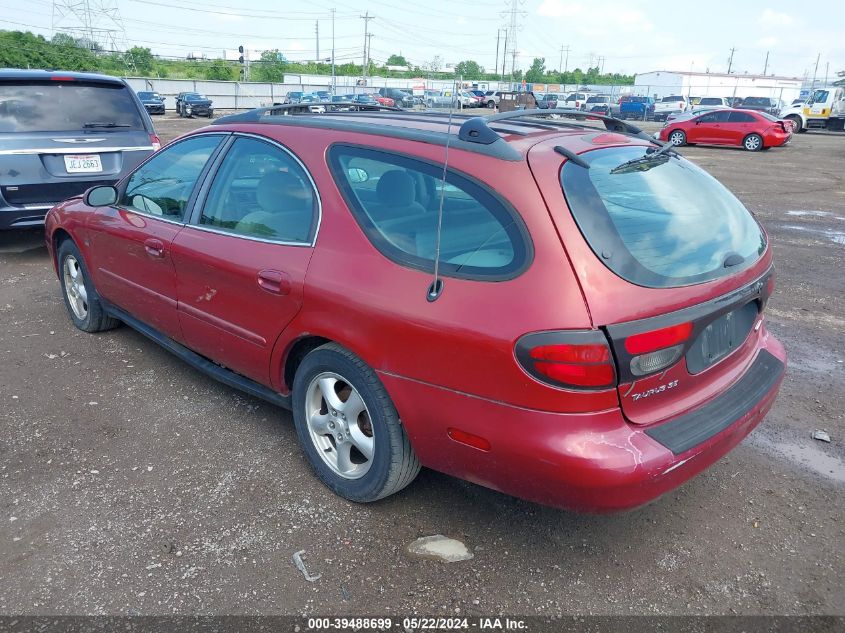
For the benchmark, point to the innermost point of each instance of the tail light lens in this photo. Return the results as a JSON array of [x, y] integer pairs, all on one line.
[[155, 141], [657, 349], [574, 359]]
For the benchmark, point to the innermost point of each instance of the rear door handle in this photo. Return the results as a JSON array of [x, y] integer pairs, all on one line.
[[274, 281], [154, 247]]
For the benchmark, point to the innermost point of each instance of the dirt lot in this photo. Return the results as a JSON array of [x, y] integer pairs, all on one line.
[[133, 484]]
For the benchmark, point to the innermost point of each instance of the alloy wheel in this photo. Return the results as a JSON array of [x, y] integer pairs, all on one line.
[[339, 425], [75, 290]]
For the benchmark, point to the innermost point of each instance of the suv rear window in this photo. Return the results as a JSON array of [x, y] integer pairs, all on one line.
[[674, 98], [711, 101], [396, 200], [659, 223], [66, 106]]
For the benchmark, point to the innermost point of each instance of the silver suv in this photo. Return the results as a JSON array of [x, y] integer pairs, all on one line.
[[62, 133]]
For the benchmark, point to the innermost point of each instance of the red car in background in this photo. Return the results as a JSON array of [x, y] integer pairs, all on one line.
[[385, 101], [740, 128]]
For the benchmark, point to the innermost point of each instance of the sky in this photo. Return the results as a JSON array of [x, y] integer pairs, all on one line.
[[627, 36]]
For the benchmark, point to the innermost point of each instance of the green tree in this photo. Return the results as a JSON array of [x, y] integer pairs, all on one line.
[[469, 70], [271, 67], [141, 59], [221, 70], [537, 70], [397, 60]]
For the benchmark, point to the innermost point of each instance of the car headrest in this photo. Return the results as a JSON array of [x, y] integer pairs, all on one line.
[[281, 191], [395, 187]]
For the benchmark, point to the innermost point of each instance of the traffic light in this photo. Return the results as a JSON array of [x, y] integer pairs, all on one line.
[[241, 51]]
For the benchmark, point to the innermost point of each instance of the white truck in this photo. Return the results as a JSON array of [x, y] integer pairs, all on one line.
[[823, 109], [672, 104]]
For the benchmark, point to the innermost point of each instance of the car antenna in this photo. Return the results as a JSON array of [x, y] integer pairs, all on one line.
[[436, 287]]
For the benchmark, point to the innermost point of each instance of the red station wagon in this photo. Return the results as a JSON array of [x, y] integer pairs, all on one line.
[[567, 314], [741, 128]]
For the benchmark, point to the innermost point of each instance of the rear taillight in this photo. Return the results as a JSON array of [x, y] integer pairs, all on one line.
[[155, 141], [657, 349], [576, 359]]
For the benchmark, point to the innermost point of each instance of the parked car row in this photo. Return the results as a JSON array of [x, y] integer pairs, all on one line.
[[646, 108]]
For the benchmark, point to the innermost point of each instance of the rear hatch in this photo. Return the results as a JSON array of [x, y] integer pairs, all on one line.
[[59, 137], [674, 269]]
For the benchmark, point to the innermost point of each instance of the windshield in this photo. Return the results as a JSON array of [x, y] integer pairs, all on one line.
[[711, 101], [756, 101], [64, 106], [195, 97], [597, 100], [768, 116], [668, 99], [659, 223], [819, 96]]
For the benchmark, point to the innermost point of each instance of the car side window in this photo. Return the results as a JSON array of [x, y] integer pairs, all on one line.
[[396, 200], [741, 117], [163, 185], [714, 117], [262, 191]]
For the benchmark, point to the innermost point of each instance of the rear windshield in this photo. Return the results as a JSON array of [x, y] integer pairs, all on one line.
[[756, 101], [597, 100], [667, 99], [637, 99], [66, 106], [659, 223], [711, 101]]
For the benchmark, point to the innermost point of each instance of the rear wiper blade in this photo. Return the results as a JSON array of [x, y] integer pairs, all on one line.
[[105, 124], [646, 162]]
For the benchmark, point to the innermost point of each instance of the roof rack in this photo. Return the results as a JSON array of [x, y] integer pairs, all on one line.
[[477, 129], [254, 116]]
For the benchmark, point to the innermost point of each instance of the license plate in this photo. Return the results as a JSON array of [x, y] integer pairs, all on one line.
[[83, 163], [721, 337]]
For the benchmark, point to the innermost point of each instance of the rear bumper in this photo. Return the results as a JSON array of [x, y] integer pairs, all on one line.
[[22, 217], [596, 462]]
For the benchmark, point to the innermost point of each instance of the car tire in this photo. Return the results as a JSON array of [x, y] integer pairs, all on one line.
[[491, 104], [81, 299], [753, 142], [677, 138], [796, 122], [336, 448]]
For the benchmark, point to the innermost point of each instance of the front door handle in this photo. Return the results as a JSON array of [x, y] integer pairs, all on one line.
[[274, 281], [154, 247]]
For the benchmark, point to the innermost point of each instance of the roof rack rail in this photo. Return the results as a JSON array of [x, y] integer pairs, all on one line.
[[477, 130], [255, 115]]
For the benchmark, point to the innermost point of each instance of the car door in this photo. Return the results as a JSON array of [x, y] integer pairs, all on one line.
[[738, 126], [241, 260], [131, 240], [709, 128]]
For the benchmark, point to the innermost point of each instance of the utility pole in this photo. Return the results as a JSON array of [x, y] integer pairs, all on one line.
[[766, 65], [334, 77], [498, 36], [317, 34], [366, 17], [600, 64], [504, 54], [565, 49], [826, 71], [815, 72], [560, 63], [369, 50], [731, 60]]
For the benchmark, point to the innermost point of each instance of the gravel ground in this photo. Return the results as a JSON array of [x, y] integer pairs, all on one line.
[[132, 484]]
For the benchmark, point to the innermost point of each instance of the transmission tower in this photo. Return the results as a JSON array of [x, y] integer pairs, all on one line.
[[514, 17], [94, 24]]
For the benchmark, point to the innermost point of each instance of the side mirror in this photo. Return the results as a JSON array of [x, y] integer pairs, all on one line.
[[102, 196]]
